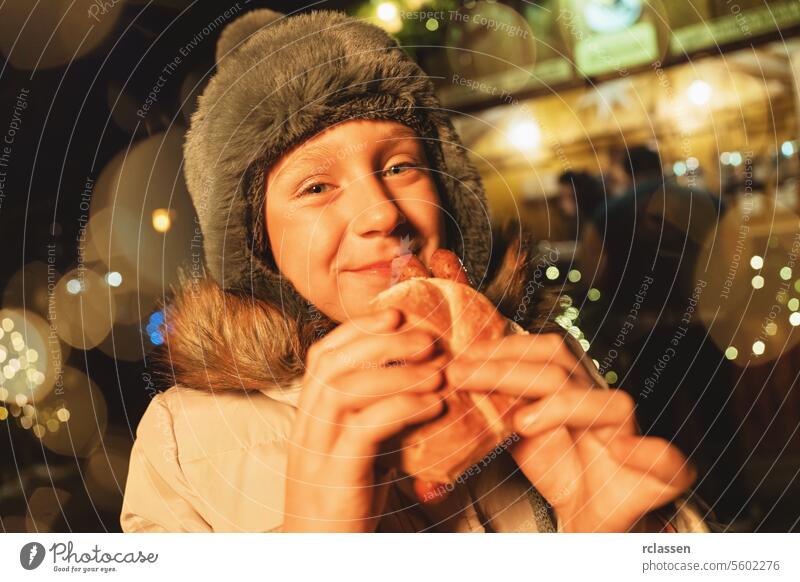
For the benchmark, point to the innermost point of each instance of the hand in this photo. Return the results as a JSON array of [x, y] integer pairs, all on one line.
[[351, 400], [579, 444]]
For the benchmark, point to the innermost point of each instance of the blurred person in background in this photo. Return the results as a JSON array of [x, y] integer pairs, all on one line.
[[580, 195]]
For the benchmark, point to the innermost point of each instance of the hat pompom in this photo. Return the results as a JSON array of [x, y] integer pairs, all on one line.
[[240, 30]]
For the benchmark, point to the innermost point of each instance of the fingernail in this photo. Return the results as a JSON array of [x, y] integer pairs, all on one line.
[[528, 418]]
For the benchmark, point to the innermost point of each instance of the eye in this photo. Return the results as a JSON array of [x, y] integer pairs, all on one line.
[[316, 188], [400, 168]]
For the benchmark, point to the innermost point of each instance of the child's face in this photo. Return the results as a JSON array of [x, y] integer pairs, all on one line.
[[356, 194]]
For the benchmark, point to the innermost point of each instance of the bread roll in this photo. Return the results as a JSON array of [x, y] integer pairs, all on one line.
[[473, 423]]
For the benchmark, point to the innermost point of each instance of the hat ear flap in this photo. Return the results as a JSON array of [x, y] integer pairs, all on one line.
[[464, 198], [237, 33]]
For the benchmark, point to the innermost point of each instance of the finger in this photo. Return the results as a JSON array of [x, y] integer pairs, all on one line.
[[358, 390], [545, 347], [656, 457], [579, 409], [376, 324], [321, 421], [365, 429], [370, 352], [524, 379]]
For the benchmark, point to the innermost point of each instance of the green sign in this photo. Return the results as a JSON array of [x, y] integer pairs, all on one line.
[[600, 54], [739, 25]]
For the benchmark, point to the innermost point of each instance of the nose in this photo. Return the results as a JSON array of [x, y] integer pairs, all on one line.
[[375, 211]]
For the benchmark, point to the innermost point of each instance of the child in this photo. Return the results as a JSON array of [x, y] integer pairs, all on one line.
[[318, 153]]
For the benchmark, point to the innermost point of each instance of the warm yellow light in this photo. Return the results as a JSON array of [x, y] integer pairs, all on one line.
[[700, 92], [611, 377], [757, 282], [758, 347], [551, 273], [387, 11], [756, 262], [524, 134], [162, 221], [574, 276], [794, 319], [786, 273], [731, 353], [62, 414], [593, 294]]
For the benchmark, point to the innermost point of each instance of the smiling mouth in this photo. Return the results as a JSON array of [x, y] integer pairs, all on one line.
[[375, 268], [384, 268]]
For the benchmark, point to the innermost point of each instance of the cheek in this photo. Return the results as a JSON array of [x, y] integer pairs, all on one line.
[[304, 242]]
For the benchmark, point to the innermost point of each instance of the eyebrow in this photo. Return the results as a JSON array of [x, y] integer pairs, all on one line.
[[317, 155]]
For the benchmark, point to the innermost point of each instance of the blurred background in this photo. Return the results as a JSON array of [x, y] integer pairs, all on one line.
[[651, 145]]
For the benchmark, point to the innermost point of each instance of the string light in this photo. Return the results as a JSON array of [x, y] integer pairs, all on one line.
[[387, 11], [551, 272], [162, 221], [756, 262], [593, 294], [758, 347], [794, 319], [153, 328], [114, 278], [731, 353], [574, 276], [786, 273], [757, 282]]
